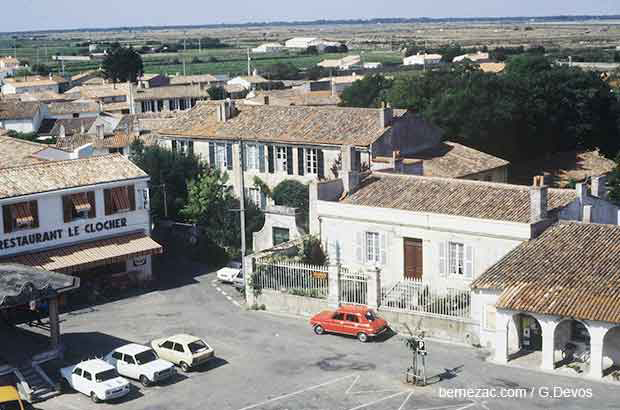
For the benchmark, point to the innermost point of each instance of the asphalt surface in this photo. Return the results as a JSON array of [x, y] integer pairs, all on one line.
[[268, 362]]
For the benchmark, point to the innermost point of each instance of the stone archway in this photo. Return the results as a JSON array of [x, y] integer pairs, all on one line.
[[572, 345], [525, 339], [611, 351]]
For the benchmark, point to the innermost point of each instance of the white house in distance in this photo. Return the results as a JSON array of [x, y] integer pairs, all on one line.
[[8, 65], [32, 84], [268, 48], [248, 82], [346, 63], [21, 116], [422, 59], [302, 43], [477, 57], [84, 217]]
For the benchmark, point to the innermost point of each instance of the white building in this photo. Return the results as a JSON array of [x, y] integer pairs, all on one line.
[[85, 217], [302, 43], [248, 82], [422, 59], [21, 116], [268, 48], [31, 85], [346, 63], [72, 109], [477, 57]]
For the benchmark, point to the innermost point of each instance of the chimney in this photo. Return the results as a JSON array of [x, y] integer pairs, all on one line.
[[82, 127], [538, 200], [61, 132], [266, 100], [225, 110], [100, 131], [598, 186], [350, 168], [397, 162], [385, 116], [587, 214]]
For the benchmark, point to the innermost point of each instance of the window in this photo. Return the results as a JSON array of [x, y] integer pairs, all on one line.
[[76, 115], [119, 199], [174, 104], [146, 357], [129, 359], [183, 146], [77, 371], [78, 206], [115, 151], [280, 235], [281, 159], [87, 375], [197, 346], [372, 247], [352, 318], [183, 104], [251, 156], [339, 316], [254, 195], [117, 356], [490, 312], [20, 216], [167, 345], [312, 164], [220, 156], [178, 348], [456, 258]]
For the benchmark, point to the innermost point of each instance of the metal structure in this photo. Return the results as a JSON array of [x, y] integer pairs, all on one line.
[[416, 374], [294, 278], [353, 287]]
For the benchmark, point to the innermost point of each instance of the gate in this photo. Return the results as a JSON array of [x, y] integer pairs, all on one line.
[[353, 287]]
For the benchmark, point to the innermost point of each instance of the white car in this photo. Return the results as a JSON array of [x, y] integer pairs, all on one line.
[[140, 363], [186, 351], [96, 379], [229, 273]]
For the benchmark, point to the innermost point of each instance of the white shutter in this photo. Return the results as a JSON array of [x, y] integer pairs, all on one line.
[[263, 200], [443, 258], [359, 248], [382, 247], [469, 262]]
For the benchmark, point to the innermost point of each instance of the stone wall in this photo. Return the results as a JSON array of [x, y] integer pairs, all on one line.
[[280, 302]]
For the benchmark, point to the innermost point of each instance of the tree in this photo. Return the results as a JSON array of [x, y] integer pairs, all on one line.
[[293, 194], [613, 182], [122, 64], [41, 69], [316, 72], [311, 50], [169, 168], [368, 92], [281, 71], [217, 93]]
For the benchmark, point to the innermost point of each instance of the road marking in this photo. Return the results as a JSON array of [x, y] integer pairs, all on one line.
[[224, 293], [378, 401], [402, 406], [284, 396], [449, 406], [236, 303], [466, 407], [357, 378], [218, 288], [352, 384]]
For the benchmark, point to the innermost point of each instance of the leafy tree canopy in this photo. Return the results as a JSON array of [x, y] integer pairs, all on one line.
[[122, 64], [368, 92]]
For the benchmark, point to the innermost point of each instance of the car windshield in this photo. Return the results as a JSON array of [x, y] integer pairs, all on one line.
[[146, 357], [10, 405], [106, 375], [370, 315], [197, 346]]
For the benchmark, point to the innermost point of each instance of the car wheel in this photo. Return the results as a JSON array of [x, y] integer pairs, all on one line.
[[362, 337], [184, 366], [94, 398], [318, 329], [145, 381]]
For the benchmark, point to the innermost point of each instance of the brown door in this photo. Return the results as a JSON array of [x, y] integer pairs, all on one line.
[[413, 258]]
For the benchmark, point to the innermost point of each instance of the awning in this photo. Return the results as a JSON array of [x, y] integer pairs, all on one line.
[[80, 202], [92, 254], [22, 214]]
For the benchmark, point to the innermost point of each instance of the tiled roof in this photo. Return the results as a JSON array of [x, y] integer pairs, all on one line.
[[293, 96], [572, 269], [34, 81], [72, 107], [294, 124], [172, 91], [474, 199], [192, 79], [117, 140], [18, 110], [51, 126], [492, 67], [56, 175], [100, 91], [453, 160], [148, 121], [15, 152], [254, 79]]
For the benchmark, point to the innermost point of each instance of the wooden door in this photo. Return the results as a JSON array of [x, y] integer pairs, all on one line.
[[413, 258]]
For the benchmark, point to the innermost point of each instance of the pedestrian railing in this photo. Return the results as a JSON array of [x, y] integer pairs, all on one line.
[[290, 277], [353, 287]]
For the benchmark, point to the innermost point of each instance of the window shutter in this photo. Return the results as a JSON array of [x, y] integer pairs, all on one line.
[[383, 247], [34, 210], [359, 248], [131, 192], [245, 156], [174, 146], [229, 158], [443, 259], [263, 200], [67, 210], [300, 160], [469, 262], [320, 163], [107, 200], [212, 154], [270, 159], [289, 160], [190, 147], [93, 206], [7, 218], [261, 157]]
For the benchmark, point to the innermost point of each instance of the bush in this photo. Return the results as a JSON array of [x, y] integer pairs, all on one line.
[[312, 252], [291, 193]]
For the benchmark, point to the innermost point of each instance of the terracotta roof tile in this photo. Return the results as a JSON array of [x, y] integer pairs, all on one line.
[[15, 152]]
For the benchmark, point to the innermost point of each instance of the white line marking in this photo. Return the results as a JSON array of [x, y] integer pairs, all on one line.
[[378, 401], [236, 303], [466, 407], [402, 406], [229, 298], [218, 288], [449, 406], [253, 406], [224, 293], [352, 384]]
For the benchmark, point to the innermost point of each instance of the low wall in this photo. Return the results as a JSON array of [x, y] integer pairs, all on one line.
[[291, 304], [434, 327]]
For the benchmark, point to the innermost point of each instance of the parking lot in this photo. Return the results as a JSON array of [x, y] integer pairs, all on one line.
[[268, 362]]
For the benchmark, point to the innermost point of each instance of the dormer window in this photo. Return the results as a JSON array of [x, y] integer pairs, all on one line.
[[20, 216]]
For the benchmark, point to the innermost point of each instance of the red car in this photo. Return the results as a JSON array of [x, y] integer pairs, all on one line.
[[357, 321]]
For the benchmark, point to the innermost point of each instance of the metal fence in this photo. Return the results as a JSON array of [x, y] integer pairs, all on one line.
[[419, 297], [295, 278], [353, 287]]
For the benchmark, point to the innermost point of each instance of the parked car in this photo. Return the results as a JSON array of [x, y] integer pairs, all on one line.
[[9, 399], [230, 272], [186, 351], [96, 379], [238, 283], [140, 363], [357, 321]]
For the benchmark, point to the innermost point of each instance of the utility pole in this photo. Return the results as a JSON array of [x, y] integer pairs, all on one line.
[[242, 210], [165, 201], [249, 63], [184, 73], [199, 46]]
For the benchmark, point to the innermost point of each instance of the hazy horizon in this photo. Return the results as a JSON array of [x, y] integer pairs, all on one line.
[[32, 15]]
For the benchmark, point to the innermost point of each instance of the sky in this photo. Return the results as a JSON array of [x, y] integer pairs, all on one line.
[[68, 14]]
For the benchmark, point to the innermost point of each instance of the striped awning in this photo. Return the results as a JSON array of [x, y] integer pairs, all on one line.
[[80, 202], [120, 197], [91, 254], [22, 214]]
